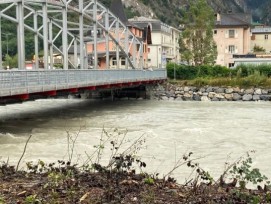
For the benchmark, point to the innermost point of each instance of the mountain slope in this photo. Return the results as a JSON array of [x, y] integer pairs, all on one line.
[[171, 11]]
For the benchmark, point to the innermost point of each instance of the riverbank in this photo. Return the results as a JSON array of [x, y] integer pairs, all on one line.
[[63, 183], [169, 91]]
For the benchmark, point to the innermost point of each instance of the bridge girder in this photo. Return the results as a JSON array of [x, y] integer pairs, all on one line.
[[70, 20]]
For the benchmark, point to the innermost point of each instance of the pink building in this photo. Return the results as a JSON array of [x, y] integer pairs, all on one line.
[[232, 36]]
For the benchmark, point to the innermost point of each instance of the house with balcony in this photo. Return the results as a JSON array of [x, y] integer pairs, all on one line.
[[164, 46], [232, 36]]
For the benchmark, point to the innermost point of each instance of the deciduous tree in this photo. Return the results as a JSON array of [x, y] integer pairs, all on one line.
[[196, 42]]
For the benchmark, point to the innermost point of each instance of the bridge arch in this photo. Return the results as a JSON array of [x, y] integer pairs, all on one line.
[[42, 17]]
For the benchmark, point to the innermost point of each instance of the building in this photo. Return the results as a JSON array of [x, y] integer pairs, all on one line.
[[138, 50], [164, 46], [261, 39], [232, 36]]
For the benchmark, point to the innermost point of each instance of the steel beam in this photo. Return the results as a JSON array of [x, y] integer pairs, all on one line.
[[45, 35], [1, 54], [20, 35], [65, 35], [81, 33]]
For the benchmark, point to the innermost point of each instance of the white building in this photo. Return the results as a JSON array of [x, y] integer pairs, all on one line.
[[165, 42]]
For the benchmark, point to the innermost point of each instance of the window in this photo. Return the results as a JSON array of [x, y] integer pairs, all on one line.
[[123, 61], [137, 47], [231, 49], [149, 50], [231, 65], [215, 32], [231, 33], [144, 48], [266, 37], [114, 61]]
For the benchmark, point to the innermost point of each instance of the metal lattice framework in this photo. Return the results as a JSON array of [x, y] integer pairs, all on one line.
[[74, 23]]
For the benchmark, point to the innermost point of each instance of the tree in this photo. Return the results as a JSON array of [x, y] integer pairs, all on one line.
[[196, 41]]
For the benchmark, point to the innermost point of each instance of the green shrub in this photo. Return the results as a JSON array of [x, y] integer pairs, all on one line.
[[186, 72]]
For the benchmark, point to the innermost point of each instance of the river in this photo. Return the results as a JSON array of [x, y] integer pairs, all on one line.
[[216, 132]]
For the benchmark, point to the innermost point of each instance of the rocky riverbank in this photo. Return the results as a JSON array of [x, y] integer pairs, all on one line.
[[209, 93]]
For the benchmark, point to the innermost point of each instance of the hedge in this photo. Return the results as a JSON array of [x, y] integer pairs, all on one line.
[[185, 72]]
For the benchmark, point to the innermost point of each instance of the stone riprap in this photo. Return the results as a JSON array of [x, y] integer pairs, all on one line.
[[209, 93]]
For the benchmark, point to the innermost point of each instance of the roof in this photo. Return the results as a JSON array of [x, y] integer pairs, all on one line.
[[117, 9], [261, 30], [143, 22], [234, 20]]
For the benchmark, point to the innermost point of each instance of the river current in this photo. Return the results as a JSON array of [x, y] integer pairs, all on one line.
[[216, 132]]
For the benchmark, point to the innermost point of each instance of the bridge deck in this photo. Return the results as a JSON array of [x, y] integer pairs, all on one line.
[[23, 82]]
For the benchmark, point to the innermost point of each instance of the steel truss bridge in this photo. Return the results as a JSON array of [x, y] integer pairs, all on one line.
[[58, 26]]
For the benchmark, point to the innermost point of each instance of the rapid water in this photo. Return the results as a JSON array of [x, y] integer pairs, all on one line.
[[218, 132]]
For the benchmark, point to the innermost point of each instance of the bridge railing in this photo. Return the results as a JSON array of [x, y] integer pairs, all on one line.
[[32, 81]]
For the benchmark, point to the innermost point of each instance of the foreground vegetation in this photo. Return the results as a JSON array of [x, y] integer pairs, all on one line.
[[123, 179], [242, 76]]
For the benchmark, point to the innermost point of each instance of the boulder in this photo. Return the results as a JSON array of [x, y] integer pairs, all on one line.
[[187, 95], [210, 89], [247, 97], [204, 98], [236, 97], [211, 95], [264, 91], [215, 99], [219, 96], [220, 90], [236, 90], [229, 96], [258, 91], [249, 91], [229, 90], [265, 97], [186, 89], [256, 97], [196, 97]]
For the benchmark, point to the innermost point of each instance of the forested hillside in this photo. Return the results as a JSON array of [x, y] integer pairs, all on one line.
[[171, 11]]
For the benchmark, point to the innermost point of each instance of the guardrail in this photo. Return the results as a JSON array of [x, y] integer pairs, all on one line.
[[32, 81]]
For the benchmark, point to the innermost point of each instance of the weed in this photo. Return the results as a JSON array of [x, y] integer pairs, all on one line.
[[1, 200], [32, 199], [149, 181], [148, 197], [244, 173]]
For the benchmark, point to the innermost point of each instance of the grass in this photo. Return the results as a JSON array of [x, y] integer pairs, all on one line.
[[255, 80]]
